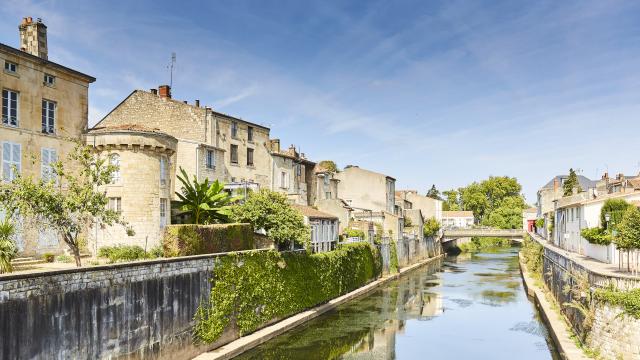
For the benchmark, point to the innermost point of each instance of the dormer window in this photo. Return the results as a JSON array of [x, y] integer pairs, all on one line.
[[49, 80], [10, 67]]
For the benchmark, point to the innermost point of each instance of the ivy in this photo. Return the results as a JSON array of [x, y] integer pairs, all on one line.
[[629, 301], [253, 288], [393, 258]]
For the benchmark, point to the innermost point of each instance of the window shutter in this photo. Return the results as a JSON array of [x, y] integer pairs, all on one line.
[[16, 157], [6, 161]]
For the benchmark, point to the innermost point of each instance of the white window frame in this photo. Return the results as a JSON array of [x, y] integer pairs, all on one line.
[[284, 179], [9, 160], [163, 212], [114, 159], [8, 65], [49, 80], [7, 119], [49, 114], [163, 170], [115, 204], [211, 159], [48, 156]]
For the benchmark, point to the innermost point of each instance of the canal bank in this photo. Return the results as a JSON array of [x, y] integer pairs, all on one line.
[[462, 307]]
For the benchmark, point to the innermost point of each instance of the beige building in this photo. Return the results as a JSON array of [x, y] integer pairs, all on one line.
[[44, 113], [429, 207], [292, 173], [325, 197], [457, 219]]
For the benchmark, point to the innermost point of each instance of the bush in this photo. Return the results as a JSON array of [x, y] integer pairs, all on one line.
[[615, 208], [532, 255], [629, 301], [351, 233], [48, 257], [393, 258], [431, 227], [184, 240], [8, 249], [64, 259], [256, 287], [596, 236], [121, 253], [539, 223]]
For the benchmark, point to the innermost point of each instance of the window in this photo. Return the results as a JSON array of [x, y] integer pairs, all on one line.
[[327, 195], [9, 107], [250, 157], [114, 160], [250, 133], [49, 80], [10, 67], [234, 129], [48, 116], [234, 154], [284, 180], [11, 153], [115, 204], [48, 156], [298, 169], [163, 170], [326, 180], [211, 159], [163, 212]]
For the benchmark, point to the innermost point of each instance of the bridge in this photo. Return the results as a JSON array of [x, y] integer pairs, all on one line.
[[454, 234]]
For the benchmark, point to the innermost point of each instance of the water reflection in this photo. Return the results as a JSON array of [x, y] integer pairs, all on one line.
[[470, 306]]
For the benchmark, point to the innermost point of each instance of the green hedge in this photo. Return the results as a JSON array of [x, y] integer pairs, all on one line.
[[184, 240], [629, 301], [393, 258], [256, 287]]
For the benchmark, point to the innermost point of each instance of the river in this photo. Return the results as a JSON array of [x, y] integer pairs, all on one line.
[[470, 306]]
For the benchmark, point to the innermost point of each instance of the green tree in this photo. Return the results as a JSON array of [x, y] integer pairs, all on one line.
[[571, 183], [628, 236], [451, 200], [204, 202], [8, 249], [329, 165], [270, 210], [431, 227], [434, 193], [615, 208], [70, 205]]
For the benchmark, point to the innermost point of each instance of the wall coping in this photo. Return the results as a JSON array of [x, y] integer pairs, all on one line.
[[88, 269]]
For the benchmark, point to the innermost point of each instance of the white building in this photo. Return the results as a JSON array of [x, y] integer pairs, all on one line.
[[457, 219]]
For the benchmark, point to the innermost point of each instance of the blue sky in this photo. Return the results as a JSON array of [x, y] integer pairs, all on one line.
[[428, 92]]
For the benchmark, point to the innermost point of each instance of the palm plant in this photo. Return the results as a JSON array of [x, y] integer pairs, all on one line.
[[205, 202], [8, 249]]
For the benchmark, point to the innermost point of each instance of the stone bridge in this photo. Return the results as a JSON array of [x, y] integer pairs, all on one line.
[[454, 234]]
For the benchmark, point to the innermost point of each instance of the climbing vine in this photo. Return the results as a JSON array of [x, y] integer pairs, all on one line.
[[253, 288], [393, 258]]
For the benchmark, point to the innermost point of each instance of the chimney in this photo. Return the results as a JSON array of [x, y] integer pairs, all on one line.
[[556, 184], [605, 176], [33, 37], [275, 145], [164, 91], [154, 91], [197, 103]]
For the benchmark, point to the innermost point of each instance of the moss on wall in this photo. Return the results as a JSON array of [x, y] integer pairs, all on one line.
[[251, 289], [184, 240], [393, 258]]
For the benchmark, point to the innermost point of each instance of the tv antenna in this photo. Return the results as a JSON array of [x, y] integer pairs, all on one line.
[[171, 66]]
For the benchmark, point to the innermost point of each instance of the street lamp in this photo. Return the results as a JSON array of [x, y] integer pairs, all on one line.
[[607, 217]]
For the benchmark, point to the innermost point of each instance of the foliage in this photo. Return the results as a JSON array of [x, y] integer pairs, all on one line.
[[596, 235], [615, 208], [185, 240], [571, 183], [532, 255], [353, 233], [434, 193], [393, 258], [64, 258], [581, 299], [120, 253], [629, 301], [256, 287], [203, 202], [431, 227], [8, 249], [451, 201], [540, 223], [71, 207], [270, 211], [329, 165], [480, 243], [629, 230], [156, 252], [408, 222], [377, 238], [48, 257]]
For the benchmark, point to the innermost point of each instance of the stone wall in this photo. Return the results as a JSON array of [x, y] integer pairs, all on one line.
[[134, 310], [614, 335]]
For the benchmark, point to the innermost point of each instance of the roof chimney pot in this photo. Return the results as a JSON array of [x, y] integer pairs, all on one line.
[[164, 91]]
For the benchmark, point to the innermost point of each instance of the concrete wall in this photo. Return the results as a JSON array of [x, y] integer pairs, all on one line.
[[366, 189], [136, 310]]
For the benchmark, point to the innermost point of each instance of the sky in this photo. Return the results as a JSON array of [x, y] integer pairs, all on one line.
[[429, 92]]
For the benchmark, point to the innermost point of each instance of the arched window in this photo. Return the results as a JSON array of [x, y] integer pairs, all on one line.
[[114, 160]]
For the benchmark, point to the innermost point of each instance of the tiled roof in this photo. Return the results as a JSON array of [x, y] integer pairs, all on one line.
[[312, 213], [585, 182]]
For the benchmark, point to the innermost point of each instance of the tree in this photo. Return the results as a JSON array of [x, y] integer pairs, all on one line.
[[270, 211], [203, 202], [628, 237], [8, 249], [431, 227], [434, 193], [615, 208], [451, 201], [71, 203], [571, 183], [329, 165]]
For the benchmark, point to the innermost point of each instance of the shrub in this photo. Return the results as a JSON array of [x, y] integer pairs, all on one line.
[[354, 233], [408, 222], [48, 257], [184, 240], [629, 301], [256, 287], [64, 259], [532, 255], [8, 249], [615, 208], [120, 253], [156, 252], [596, 236], [540, 223], [431, 227], [393, 258]]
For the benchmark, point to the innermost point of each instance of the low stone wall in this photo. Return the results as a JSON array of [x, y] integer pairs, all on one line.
[[130, 310], [615, 335]]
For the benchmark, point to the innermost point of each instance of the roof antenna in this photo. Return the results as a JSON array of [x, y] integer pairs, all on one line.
[[171, 66]]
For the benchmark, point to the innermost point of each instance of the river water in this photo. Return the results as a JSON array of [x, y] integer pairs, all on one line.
[[472, 306]]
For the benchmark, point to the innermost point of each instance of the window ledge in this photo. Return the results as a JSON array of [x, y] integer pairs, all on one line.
[[251, 166], [12, 73], [235, 164]]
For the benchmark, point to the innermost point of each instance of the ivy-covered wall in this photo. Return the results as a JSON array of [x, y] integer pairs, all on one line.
[[252, 289], [184, 240]]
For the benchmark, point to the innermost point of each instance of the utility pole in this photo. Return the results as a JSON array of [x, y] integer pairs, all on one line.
[[171, 66]]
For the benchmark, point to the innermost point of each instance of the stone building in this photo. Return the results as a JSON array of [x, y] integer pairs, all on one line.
[[429, 207], [44, 114], [291, 173], [142, 188], [325, 196]]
